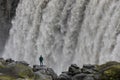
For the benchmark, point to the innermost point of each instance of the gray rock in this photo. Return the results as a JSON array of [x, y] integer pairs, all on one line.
[[50, 72], [44, 70], [38, 67], [41, 76], [2, 60]]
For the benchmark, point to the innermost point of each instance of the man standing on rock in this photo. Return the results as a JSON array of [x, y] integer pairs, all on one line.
[[41, 60]]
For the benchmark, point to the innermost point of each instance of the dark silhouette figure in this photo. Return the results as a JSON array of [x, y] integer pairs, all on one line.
[[41, 60]]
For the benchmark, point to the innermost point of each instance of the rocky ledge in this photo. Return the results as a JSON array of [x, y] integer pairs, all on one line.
[[20, 70]]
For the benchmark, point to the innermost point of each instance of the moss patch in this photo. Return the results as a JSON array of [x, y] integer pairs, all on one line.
[[6, 77], [110, 71]]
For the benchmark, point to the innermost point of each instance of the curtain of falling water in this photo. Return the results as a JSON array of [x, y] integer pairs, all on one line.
[[65, 32]]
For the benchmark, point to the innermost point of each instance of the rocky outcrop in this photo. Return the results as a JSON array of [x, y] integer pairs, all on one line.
[[45, 72], [7, 12], [107, 71], [20, 70]]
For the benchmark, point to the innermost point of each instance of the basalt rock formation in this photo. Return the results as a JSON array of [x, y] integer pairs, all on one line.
[[7, 12], [107, 71]]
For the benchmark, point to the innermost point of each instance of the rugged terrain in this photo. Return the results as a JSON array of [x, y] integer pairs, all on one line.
[[20, 70]]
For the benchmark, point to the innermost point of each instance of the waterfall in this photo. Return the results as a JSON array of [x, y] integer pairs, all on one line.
[[65, 32]]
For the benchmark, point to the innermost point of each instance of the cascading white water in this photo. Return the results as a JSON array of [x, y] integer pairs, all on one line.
[[65, 32]]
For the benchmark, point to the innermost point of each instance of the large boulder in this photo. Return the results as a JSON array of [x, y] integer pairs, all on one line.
[[89, 78], [50, 72], [41, 76], [73, 70], [39, 70], [79, 76], [64, 76]]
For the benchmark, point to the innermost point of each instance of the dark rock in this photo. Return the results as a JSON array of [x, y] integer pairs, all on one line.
[[42, 68], [87, 71], [89, 66], [88, 78], [74, 69], [22, 62], [79, 76], [8, 7], [64, 76], [36, 68], [97, 76], [1, 59], [9, 60], [75, 66]]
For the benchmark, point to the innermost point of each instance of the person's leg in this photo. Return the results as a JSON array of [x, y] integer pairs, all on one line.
[[40, 63]]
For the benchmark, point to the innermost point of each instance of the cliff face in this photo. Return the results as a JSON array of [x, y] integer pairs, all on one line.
[[7, 12]]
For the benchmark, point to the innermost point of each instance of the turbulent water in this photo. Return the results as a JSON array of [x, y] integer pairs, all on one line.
[[65, 32]]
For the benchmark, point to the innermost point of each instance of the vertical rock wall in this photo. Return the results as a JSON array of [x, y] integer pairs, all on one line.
[[7, 12]]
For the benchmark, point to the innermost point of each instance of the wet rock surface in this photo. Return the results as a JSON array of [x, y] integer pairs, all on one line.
[[7, 12]]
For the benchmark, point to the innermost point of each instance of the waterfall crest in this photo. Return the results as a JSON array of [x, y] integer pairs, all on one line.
[[65, 32]]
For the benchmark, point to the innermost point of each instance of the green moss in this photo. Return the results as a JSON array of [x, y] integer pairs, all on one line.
[[108, 64], [19, 71], [110, 71], [113, 71], [2, 66], [5, 77], [16, 71], [23, 71]]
